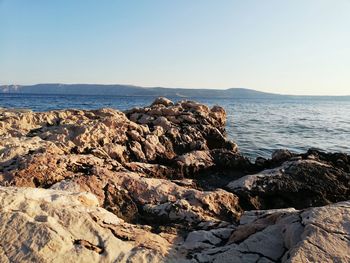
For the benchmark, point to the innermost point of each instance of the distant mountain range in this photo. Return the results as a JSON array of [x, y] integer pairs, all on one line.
[[129, 90]]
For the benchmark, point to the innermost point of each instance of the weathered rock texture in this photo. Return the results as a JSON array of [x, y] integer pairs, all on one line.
[[185, 138], [315, 235], [135, 163], [40, 225], [307, 180], [161, 183]]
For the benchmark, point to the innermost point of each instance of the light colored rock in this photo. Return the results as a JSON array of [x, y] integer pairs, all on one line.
[[59, 225], [116, 151], [164, 198], [159, 131], [326, 235], [195, 161], [163, 122], [54, 226], [12, 147], [163, 101], [201, 240], [318, 234], [249, 182], [136, 149], [152, 147]]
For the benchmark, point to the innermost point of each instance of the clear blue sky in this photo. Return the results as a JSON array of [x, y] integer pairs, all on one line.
[[284, 46]]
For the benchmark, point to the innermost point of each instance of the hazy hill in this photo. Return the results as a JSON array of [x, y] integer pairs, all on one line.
[[77, 89], [129, 90], [228, 93]]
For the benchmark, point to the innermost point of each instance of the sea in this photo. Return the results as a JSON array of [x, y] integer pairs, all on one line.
[[258, 126]]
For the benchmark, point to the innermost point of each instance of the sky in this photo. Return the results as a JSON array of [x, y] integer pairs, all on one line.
[[289, 47]]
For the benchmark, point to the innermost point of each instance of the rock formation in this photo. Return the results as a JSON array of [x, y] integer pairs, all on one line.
[[162, 184], [299, 181], [44, 225]]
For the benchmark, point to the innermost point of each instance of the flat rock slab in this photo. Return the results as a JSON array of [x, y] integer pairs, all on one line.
[[39, 225]]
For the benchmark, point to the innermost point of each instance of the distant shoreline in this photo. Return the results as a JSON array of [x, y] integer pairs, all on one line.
[[137, 91], [283, 97]]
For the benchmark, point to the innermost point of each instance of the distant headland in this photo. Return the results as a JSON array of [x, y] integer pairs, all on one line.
[[131, 90]]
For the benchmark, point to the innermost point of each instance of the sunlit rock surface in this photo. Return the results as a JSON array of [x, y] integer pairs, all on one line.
[[162, 184], [43, 225]]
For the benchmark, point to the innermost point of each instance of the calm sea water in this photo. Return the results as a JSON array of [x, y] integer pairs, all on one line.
[[259, 126]]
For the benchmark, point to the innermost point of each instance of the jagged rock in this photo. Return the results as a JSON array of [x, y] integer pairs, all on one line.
[[156, 134], [163, 122], [158, 201], [195, 161], [44, 169], [118, 201], [163, 101], [296, 183], [339, 160], [13, 147], [187, 123], [151, 170], [169, 171], [162, 198]]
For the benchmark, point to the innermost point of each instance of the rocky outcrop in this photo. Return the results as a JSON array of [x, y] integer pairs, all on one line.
[[164, 134], [161, 184], [307, 180], [154, 201], [127, 159]]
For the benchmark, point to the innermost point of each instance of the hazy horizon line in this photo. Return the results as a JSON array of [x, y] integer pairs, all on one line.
[[170, 87]]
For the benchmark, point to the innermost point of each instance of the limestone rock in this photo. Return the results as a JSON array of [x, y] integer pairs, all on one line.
[[41, 225], [63, 226], [195, 161], [162, 184], [152, 135], [163, 101], [282, 236]]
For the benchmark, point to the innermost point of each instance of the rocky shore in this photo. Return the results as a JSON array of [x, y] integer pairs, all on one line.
[[162, 184]]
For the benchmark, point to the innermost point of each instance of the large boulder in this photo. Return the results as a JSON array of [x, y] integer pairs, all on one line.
[[300, 182]]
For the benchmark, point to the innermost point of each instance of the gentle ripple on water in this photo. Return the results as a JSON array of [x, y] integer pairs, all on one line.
[[259, 126]]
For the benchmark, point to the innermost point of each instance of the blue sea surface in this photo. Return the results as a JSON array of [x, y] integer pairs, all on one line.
[[258, 126]]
